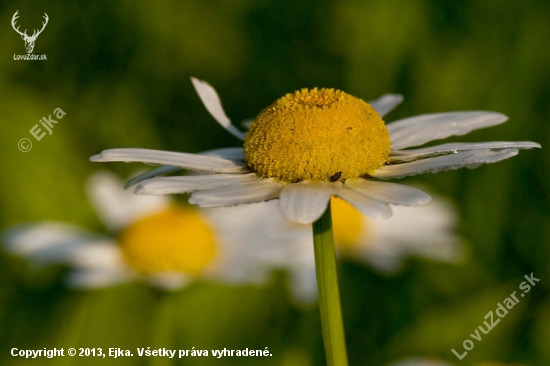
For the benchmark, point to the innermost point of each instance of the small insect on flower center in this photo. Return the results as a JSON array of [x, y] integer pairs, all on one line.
[[176, 239], [318, 134]]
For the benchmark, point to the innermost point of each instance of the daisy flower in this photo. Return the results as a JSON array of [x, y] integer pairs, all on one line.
[[313, 144], [426, 232], [151, 238]]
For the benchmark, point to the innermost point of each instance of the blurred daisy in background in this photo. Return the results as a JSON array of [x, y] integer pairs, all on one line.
[[427, 232], [313, 144], [152, 238], [169, 244]]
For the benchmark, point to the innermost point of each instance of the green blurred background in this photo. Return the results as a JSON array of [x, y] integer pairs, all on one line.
[[120, 70]]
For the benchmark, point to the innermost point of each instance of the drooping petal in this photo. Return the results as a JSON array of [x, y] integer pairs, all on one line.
[[117, 207], [393, 193], [190, 183], [386, 103], [367, 205], [306, 201], [212, 102], [416, 154], [230, 195], [188, 161], [152, 173], [468, 159], [418, 130]]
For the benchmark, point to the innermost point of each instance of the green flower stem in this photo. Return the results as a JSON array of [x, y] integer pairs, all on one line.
[[329, 296]]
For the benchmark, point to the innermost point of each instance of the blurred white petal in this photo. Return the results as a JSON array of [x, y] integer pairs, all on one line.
[[98, 278], [49, 242], [426, 231], [117, 207]]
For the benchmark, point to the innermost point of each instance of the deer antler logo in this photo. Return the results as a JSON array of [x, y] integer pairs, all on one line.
[[29, 41]]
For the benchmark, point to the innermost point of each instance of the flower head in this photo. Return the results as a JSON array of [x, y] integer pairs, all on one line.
[[314, 144], [427, 232], [151, 238], [323, 135]]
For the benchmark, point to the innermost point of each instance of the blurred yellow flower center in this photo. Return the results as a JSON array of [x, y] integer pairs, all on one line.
[[176, 239], [320, 134], [348, 224]]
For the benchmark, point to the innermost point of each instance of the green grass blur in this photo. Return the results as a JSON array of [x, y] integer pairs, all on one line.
[[120, 70]]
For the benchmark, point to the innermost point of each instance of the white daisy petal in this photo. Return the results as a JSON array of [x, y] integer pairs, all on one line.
[[396, 194], [117, 207], [249, 192], [152, 173], [418, 130], [188, 161], [468, 159], [306, 201], [416, 154], [386, 103], [183, 184], [212, 102], [367, 205]]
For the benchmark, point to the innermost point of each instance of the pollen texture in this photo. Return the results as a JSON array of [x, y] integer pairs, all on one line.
[[319, 134], [176, 239]]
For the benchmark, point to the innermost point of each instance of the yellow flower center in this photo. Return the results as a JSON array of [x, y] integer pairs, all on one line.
[[348, 224], [176, 239], [320, 134]]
